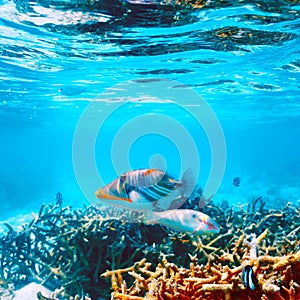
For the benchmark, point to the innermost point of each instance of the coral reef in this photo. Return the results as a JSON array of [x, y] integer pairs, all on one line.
[[67, 250], [277, 277], [217, 264]]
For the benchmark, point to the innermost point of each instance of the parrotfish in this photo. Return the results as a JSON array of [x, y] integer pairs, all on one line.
[[146, 190], [184, 220]]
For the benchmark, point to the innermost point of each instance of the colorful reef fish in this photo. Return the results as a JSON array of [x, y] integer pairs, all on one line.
[[184, 220], [146, 190]]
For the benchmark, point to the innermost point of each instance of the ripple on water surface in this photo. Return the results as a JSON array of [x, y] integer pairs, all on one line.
[[75, 49]]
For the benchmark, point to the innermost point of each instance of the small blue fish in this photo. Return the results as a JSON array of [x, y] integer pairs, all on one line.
[[59, 199], [146, 190], [248, 278], [184, 220], [236, 181]]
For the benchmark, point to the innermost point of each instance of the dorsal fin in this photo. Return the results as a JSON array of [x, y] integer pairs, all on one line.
[[188, 182]]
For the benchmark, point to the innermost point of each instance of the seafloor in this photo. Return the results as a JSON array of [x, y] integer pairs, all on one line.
[[101, 254]]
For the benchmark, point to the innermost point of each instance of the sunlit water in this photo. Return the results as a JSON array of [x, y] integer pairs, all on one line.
[[56, 57]]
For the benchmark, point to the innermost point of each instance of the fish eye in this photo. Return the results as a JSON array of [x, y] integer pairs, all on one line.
[[194, 216]]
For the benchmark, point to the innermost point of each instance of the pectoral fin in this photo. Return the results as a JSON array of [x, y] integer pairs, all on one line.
[[111, 197], [165, 202]]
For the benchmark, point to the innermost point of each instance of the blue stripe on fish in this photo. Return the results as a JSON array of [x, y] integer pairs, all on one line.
[[152, 193], [160, 191], [165, 189], [149, 195]]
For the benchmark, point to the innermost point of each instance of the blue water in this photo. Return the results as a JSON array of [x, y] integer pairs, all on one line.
[[58, 57]]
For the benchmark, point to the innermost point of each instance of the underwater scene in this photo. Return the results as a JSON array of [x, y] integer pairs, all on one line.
[[150, 149]]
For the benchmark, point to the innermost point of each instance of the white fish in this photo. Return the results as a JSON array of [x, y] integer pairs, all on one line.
[[184, 220]]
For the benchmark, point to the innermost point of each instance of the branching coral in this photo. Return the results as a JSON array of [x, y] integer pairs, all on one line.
[[216, 274], [68, 250], [215, 280]]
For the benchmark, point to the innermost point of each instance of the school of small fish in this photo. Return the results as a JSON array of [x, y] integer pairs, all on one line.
[[152, 192]]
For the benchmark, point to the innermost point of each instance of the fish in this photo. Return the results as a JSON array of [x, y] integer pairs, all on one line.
[[248, 278], [183, 220], [146, 190], [236, 181], [59, 198]]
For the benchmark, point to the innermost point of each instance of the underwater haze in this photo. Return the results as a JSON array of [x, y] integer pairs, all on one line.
[[59, 59]]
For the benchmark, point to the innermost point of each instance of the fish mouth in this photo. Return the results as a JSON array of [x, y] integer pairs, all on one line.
[[99, 193], [209, 226], [214, 228]]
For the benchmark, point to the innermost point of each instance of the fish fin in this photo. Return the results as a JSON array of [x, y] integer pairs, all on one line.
[[110, 197], [165, 202], [135, 196], [150, 217], [149, 171], [182, 191], [188, 183], [204, 201]]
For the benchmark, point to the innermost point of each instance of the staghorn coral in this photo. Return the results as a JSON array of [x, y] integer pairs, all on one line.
[[217, 264], [278, 278], [67, 250]]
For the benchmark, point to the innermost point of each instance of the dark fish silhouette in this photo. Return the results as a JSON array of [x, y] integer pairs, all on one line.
[[59, 198], [237, 181]]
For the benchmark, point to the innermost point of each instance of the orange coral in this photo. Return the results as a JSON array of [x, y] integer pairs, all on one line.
[[216, 280]]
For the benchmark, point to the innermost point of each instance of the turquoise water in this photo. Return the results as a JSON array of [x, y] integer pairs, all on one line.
[[242, 59]]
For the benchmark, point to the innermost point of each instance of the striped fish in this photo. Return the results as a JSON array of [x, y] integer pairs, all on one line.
[[248, 278], [146, 190]]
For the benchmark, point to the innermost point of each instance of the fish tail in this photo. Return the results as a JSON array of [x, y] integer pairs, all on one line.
[[204, 201], [188, 182]]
